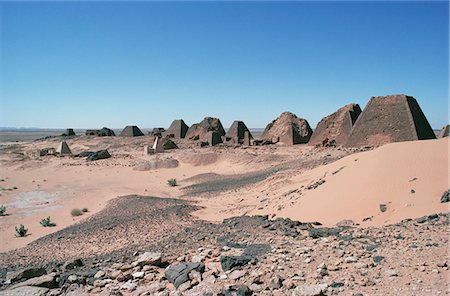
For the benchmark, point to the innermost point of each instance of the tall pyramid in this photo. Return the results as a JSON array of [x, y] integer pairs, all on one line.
[[388, 119], [237, 131], [177, 129], [131, 131], [288, 129], [63, 149], [336, 128]]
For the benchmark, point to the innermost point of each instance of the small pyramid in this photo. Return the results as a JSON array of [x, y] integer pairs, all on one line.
[[177, 129], [131, 131], [63, 149], [237, 131], [389, 119], [444, 132]]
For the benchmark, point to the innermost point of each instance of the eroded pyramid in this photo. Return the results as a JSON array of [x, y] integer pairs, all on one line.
[[335, 128], [288, 129], [208, 124]]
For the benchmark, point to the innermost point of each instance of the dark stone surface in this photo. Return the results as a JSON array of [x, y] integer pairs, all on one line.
[[445, 196], [236, 290], [324, 232], [101, 154], [229, 262], [179, 274]]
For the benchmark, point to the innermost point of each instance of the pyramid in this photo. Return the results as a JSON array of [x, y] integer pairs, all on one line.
[[213, 138], [287, 129], [157, 132], [69, 132], [388, 119], [177, 129], [63, 149], [444, 132], [336, 128], [131, 131], [208, 124], [237, 131]]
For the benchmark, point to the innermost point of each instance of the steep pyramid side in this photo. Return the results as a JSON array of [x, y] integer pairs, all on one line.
[[63, 149], [177, 129], [131, 131], [237, 130], [336, 128], [388, 119]]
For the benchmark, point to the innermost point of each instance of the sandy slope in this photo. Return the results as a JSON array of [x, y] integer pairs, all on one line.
[[354, 188]]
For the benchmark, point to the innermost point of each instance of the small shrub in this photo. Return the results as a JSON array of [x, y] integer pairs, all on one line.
[[2, 210], [84, 210], [47, 222], [172, 182], [21, 231], [76, 212]]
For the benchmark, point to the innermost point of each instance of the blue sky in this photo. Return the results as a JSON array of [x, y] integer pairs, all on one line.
[[94, 64]]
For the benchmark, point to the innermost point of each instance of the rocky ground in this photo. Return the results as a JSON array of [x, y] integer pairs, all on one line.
[[149, 246]]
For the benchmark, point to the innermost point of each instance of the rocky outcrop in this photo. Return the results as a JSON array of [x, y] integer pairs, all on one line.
[[334, 129], [287, 129], [198, 131], [388, 119], [104, 132]]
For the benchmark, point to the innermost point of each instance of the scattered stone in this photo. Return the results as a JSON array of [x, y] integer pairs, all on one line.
[[26, 290], [383, 208], [236, 290], [179, 274], [445, 196], [24, 274], [391, 272], [148, 258], [229, 262], [310, 290], [69, 265]]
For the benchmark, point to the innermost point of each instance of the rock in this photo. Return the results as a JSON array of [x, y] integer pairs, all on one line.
[[391, 272], [45, 281], [184, 286], [237, 274], [148, 258], [25, 290], [275, 283], [445, 196], [383, 208], [421, 219], [288, 129], [24, 274], [310, 290], [138, 275], [99, 274], [324, 232], [101, 154], [69, 265], [236, 290], [72, 278], [350, 259], [130, 286], [229, 262], [345, 223], [179, 274], [79, 291], [378, 259]]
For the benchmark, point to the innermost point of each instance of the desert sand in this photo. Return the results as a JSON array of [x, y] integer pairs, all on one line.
[[223, 194]]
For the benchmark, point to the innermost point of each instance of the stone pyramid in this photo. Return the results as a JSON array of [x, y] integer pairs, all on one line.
[[237, 131], [63, 149], [131, 131], [177, 129], [388, 119], [287, 129], [335, 128], [444, 132], [208, 124]]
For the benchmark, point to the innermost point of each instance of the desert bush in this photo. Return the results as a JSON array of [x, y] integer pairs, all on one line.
[[76, 212], [46, 222], [172, 182], [84, 210], [2, 210], [21, 230]]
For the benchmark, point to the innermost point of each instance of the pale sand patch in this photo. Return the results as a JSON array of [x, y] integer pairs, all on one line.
[[354, 188]]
